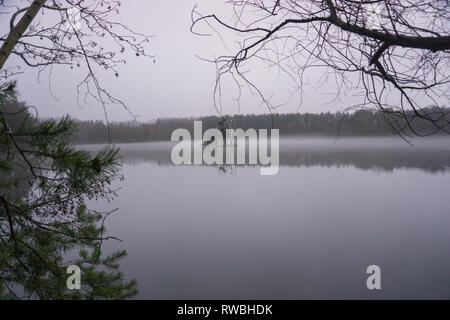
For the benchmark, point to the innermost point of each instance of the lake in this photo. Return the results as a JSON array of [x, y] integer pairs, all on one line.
[[334, 208]]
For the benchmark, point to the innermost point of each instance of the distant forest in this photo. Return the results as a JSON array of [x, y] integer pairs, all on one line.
[[359, 123]]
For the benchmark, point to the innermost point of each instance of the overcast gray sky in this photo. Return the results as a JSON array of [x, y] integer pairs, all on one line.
[[178, 84]]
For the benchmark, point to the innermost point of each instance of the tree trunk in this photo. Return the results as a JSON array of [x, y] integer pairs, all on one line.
[[17, 30]]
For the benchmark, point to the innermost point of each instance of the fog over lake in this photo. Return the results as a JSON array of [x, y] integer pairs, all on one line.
[[310, 231]]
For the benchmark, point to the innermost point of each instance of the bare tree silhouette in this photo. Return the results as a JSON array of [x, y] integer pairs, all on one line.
[[391, 45], [72, 33]]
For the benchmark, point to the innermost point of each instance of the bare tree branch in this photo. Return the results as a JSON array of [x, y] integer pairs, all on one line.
[[398, 49]]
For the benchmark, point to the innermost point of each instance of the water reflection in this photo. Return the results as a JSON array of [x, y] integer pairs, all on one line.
[[385, 154], [310, 231]]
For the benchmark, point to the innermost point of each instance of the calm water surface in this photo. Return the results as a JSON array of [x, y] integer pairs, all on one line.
[[310, 231]]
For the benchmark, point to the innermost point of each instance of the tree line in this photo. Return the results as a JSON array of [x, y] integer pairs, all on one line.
[[358, 123]]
